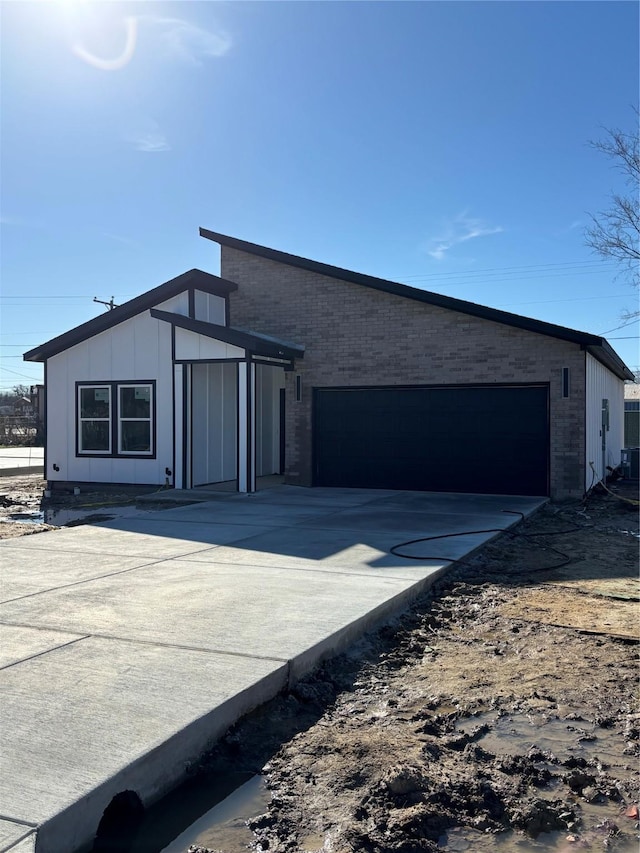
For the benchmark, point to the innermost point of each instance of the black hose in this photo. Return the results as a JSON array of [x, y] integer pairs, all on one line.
[[566, 559]]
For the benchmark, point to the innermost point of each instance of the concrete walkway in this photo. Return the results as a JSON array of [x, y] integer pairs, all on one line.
[[21, 460], [128, 647]]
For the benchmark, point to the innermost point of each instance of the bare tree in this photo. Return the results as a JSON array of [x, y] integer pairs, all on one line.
[[615, 233]]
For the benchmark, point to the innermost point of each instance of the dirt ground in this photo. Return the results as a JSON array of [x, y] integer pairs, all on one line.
[[20, 495], [24, 510], [500, 713]]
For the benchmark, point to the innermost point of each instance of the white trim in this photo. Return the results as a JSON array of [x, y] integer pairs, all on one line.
[[252, 427], [187, 437], [108, 420], [148, 420], [178, 437]]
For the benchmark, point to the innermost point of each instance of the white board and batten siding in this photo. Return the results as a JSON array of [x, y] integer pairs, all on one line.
[[214, 423], [209, 308], [139, 350], [191, 346], [136, 350], [602, 384]]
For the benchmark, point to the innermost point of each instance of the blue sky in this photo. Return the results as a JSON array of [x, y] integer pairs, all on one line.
[[441, 144]]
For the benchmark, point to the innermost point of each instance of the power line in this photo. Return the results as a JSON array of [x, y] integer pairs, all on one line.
[[24, 375], [458, 280], [512, 280], [503, 304], [500, 270], [54, 296], [573, 299], [623, 326], [580, 266], [23, 296]]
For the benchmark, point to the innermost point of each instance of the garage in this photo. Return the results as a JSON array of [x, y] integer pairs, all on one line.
[[478, 439]]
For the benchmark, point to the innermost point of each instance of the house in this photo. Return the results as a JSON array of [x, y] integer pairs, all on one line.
[[331, 377], [23, 406], [632, 415]]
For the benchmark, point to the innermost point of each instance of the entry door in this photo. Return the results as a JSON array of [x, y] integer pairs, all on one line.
[[283, 441]]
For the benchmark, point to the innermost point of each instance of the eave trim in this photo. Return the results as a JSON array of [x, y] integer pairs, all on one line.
[[195, 279], [601, 348], [253, 342]]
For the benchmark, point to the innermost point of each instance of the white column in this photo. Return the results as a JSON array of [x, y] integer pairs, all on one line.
[[178, 432], [242, 427], [187, 430], [252, 428], [246, 427]]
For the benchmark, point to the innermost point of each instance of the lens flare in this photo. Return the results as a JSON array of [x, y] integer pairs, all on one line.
[[117, 62]]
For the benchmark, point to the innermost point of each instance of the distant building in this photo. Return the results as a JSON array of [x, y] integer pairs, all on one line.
[[632, 415]]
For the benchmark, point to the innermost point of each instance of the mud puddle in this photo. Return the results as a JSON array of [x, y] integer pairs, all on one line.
[[203, 813], [576, 742], [224, 827], [55, 517], [599, 838], [576, 753], [25, 509], [69, 516]]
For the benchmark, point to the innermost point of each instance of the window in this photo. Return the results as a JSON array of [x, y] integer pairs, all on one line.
[[94, 432], [116, 419], [134, 419]]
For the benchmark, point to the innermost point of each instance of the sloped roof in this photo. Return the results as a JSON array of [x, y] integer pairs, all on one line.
[[196, 279], [594, 344], [252, 341]]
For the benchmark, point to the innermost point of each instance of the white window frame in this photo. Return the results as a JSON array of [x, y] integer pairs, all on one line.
[[120, 419], [85, 452], [115, 420]]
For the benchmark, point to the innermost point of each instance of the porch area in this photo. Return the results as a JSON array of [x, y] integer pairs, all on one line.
[[228, 405]]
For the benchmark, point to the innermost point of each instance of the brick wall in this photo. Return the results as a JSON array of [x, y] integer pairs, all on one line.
[[356, 335]]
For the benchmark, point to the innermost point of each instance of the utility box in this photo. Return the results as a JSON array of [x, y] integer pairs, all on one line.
[[630, 461]]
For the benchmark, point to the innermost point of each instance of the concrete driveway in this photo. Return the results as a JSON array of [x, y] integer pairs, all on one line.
[[128, 647]]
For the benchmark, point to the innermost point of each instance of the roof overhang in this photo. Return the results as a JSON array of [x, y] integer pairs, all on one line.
[[254, 343], [606, 355], [192, 280], [596, 345]]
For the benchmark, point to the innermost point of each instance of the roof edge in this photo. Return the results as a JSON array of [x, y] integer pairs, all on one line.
[[606, 355], [449, 302], [253, 342], [193, 278]]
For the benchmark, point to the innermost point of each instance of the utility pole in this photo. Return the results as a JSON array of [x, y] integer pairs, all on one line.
[[110, 305]]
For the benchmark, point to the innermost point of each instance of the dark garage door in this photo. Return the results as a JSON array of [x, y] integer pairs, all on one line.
[[459, 439]]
